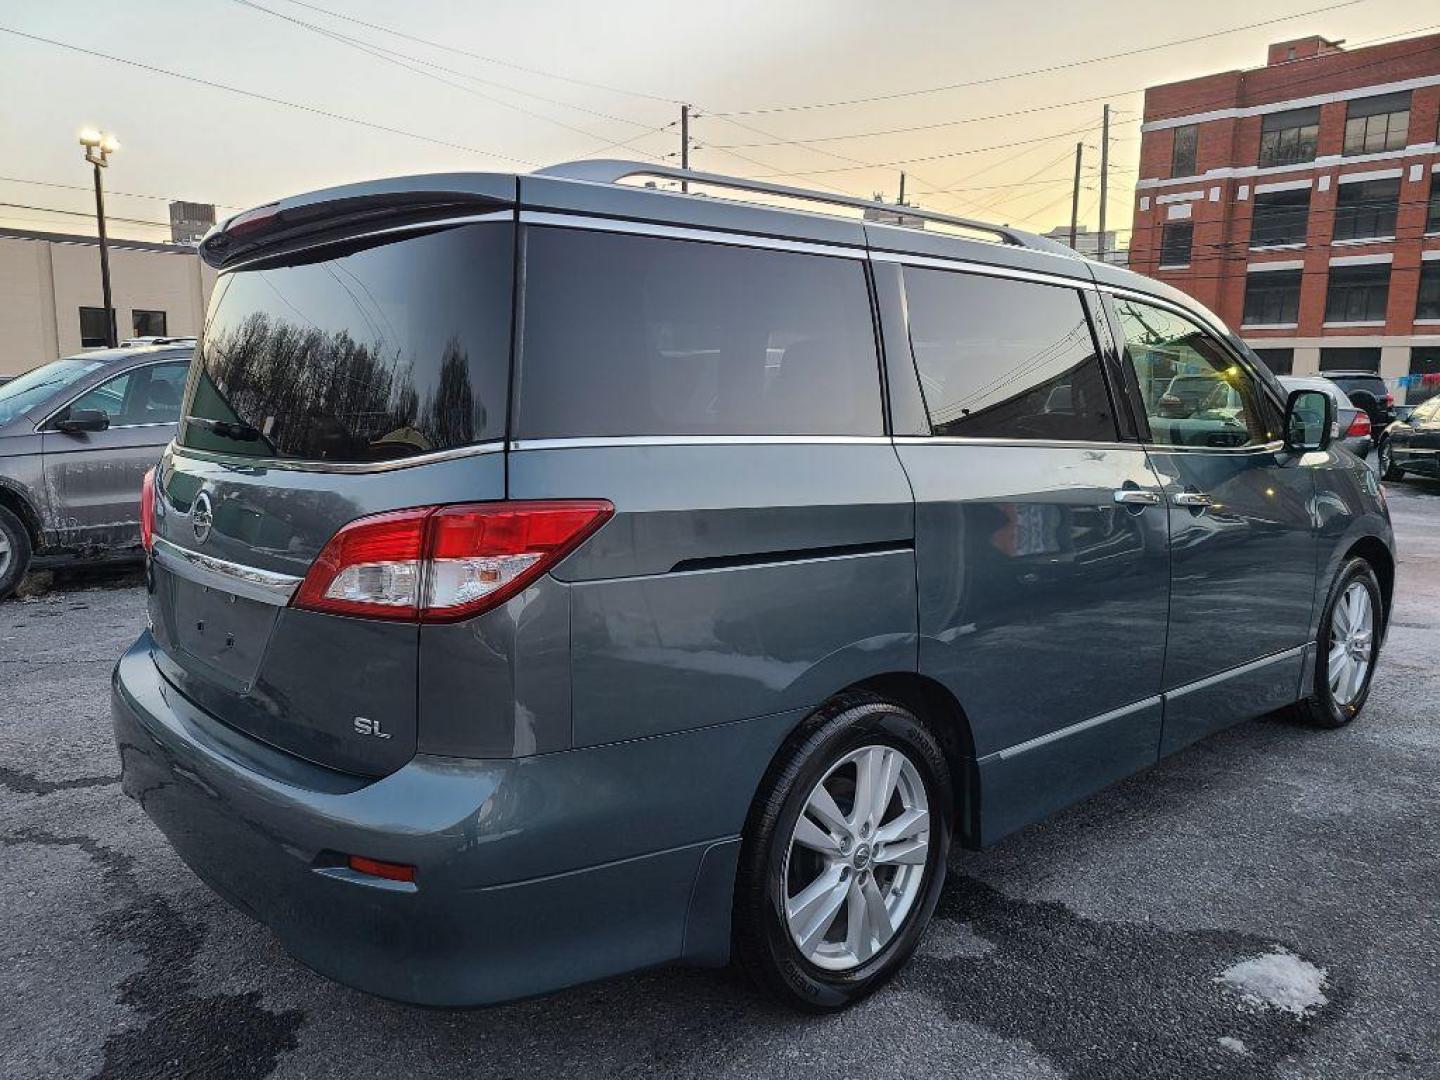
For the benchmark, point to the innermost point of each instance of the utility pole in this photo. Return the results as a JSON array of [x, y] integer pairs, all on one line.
[[1075, 195], [901, 199], [1104, 180], [684, 143], [98, 148]]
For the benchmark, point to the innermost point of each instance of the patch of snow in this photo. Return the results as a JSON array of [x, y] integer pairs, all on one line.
[[1234, 1046], [1279, 980]]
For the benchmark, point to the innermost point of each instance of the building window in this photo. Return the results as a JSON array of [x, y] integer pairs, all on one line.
[[1341, 359], [92, 327], [1432, 219], [1367, 209], [1357, 293], [1280, 217], [1289, 138], [1182, 153], [1428, 304], [1378, 123], [1175, 241], [148, 323], [1424, 381], [1280, 361], [1272, 297]]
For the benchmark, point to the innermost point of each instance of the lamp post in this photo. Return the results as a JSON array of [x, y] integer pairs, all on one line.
[[99, 145]]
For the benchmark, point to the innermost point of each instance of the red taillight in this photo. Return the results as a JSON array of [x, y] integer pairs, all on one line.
[[147, 509], [442, 563], [1359, 426], [1389, 401], [391, 871]]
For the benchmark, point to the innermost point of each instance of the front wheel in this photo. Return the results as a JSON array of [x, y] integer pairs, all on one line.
[[1388, 469], [844, 855], [1348, 646], [14, 552]]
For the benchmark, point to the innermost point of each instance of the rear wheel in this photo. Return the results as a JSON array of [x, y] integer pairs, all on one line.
[[14, 552], [1347, 649], [1388, 469], [844, 855]]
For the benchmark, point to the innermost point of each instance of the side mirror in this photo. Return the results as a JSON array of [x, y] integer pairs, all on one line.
[[77, 420], [1309, 419]]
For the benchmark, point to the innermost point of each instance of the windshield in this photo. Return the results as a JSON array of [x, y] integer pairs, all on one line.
[[366, 352], [28, 390]]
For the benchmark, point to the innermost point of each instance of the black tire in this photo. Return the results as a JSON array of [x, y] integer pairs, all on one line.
[[763, 943], [1386, 462], [17, 540], [1320, 708]]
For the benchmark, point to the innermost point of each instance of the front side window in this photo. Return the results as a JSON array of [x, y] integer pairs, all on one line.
[[1289, 138], [108, 397], [93, 332], [1182, 152], [369, 351], [1175, 242], [640, 335], [1357, 293], [1272, 298], [1376, 124], [1280, 217], [1366, 209], [1006, 359], [38, 385], [145, 395], [1193, 391], [1427, 305], [148, 323]]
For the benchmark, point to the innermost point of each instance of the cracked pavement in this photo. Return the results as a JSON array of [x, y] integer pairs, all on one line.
[[1090, 946]]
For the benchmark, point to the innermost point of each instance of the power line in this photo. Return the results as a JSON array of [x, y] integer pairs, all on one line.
[[257, 96], [85, 214], [108, 192], [1042, 70]]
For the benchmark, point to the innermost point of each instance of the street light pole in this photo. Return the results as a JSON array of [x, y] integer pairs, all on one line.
[[98, 148]]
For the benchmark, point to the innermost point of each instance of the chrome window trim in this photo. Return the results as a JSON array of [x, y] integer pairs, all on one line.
[[931, 262], [1275, 446], [264, 586], [1230, 673], [1075, 729], [975, 440], [494, 446], [174, 358], [393, 230], [603, 441], [680, 232]]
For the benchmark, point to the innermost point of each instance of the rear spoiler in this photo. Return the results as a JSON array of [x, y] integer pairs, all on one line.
[[338, 212]]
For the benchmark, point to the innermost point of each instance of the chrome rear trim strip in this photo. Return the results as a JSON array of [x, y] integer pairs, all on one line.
[[266, 586], [346, 467]]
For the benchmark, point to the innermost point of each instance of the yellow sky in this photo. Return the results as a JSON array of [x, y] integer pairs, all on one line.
[[523, 84]]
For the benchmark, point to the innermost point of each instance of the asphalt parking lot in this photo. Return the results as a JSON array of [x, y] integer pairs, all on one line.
[[1096, 945]]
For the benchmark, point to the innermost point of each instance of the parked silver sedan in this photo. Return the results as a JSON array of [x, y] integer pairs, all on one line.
[[76, 436], [1352, 423]]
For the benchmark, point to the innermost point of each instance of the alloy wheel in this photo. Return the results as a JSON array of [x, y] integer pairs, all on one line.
[[7, 552], [1352, 643], [857, 856]]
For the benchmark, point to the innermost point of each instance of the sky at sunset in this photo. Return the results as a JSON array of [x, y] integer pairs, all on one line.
[[506, 85]]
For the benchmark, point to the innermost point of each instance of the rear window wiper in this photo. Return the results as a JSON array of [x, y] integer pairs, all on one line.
[[226, 429]]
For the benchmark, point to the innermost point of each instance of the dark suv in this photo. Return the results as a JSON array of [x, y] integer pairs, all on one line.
[[1369, 392], [554, 577]]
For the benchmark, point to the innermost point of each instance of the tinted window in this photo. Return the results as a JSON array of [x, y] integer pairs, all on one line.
[[1194, 393], [1427, 302], [1377, 123], [637, 335], [1357, 293], [1290, 137], [363, 353], [92, 327], [1272, 298], [1280, 217], [1367, 208], [148, 323], [1005, 359], [1175, 241], [1182, 152]]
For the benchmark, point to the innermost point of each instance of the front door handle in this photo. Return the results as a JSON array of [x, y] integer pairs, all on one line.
[[1137, 497], [1195, 500]]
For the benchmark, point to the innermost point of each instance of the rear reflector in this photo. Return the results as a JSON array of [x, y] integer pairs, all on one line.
[[443, 563], [391, 871], [147, 509], [1359, 426]]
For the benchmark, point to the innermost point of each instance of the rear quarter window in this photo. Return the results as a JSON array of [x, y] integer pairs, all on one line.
[[367, 352], [635, 335]]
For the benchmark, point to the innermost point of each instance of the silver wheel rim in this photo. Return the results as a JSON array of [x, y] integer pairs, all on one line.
[[856, 859], [6, 554], [1384, 458], [1352, 643]]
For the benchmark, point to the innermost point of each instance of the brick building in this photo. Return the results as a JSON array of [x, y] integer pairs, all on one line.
[[1301, 202]]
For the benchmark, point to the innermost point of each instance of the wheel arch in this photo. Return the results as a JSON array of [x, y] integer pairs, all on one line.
[[15, 500], [1373, 550]]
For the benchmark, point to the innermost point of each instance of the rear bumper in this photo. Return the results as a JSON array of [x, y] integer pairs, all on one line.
[[532, 874]]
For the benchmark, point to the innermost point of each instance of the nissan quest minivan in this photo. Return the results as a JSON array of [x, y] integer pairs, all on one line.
[[553, 576]]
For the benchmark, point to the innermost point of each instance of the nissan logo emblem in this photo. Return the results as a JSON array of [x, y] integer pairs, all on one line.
[[202, 517]]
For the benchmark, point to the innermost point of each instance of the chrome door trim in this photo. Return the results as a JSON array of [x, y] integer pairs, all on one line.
[[1075, 729], [679, 232], [602, 441], [1230, 673], [495, 446], [932, 262], [266, 586]]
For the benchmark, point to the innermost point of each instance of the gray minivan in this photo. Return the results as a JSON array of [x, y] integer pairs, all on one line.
[[554, 576]]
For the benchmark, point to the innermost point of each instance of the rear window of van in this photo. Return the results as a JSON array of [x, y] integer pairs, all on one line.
[[634, 335]]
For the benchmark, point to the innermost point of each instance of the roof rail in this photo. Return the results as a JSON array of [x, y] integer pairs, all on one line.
[[612, 171]]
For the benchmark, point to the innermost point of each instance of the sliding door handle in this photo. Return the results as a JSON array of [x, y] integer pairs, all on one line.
[[1195, 500], [1136, 497]]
